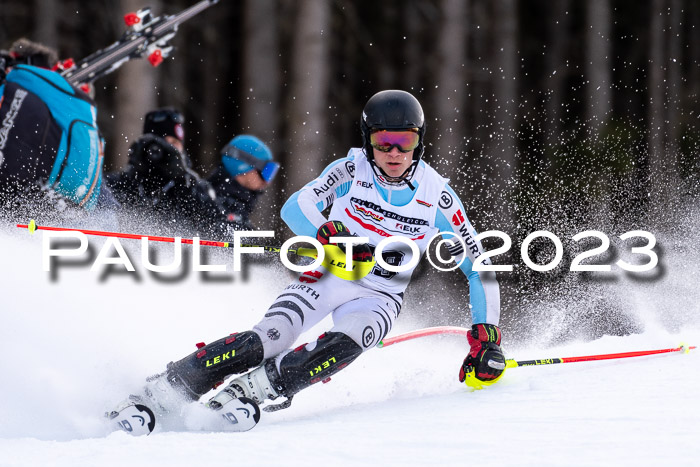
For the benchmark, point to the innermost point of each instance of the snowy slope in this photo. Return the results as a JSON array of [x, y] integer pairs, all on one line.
[[73, 346]]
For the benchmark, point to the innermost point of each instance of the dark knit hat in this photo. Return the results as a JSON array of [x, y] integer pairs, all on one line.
[[165, 122], [33, 53]]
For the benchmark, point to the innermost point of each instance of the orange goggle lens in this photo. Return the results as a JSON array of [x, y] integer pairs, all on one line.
[[384, 140]]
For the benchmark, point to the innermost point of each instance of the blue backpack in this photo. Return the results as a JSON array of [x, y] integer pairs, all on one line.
[[77, 169]]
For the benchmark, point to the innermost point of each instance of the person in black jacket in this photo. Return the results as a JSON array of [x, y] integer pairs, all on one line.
[[159, 178]]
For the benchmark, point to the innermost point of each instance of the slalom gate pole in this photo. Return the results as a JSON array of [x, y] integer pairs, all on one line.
[[544, 361], [32, 227], [334, 258], [422, 333]]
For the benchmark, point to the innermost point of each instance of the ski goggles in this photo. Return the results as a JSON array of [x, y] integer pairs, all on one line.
[[266, 169], [385, 140], [166, 114]]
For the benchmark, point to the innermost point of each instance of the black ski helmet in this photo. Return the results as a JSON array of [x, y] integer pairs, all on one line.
[[392, 110]]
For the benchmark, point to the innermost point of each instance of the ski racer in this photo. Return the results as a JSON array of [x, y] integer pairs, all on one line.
[[380, 190]]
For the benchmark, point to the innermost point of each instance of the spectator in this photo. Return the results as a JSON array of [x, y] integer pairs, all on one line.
[[245, 171], [50, 145], [159, 177]]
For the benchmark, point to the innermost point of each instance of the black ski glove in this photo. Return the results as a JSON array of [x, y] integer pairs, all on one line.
[[360, 252], [485, 356]]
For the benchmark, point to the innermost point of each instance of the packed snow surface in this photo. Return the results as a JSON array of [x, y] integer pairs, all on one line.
[[75, 341]]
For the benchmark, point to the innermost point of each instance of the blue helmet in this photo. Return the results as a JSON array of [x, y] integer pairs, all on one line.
[[245, 153]]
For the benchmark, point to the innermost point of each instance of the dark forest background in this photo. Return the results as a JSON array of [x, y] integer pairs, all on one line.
[[562, 115]]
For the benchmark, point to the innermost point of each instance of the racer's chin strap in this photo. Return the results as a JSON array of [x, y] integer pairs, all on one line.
[[405, 177]]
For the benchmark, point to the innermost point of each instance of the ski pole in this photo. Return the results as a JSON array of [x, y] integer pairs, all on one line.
[[589, 358], [475, 383], [33, 227], [544, 361], [334, 256]]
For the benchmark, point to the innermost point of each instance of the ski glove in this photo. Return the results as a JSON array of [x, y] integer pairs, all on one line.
[[360, 252], [331, 229], [485, 357]]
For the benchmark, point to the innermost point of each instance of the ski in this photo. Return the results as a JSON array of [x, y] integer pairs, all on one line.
[[239, 414], [146, 35], [134, 417]]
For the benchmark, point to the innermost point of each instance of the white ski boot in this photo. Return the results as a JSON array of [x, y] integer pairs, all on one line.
[[254, 385], [238, 402]]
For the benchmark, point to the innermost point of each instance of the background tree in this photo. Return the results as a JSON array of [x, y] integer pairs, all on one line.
[[505, 104], [449, 98], [307, 99], [598, 71]]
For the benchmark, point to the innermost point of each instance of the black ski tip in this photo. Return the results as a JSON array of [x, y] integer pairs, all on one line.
[[152, 423], [134, 419], [256, 414]]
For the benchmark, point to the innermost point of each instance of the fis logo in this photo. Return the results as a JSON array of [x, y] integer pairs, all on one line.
[[458, 218], [364, 184]]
